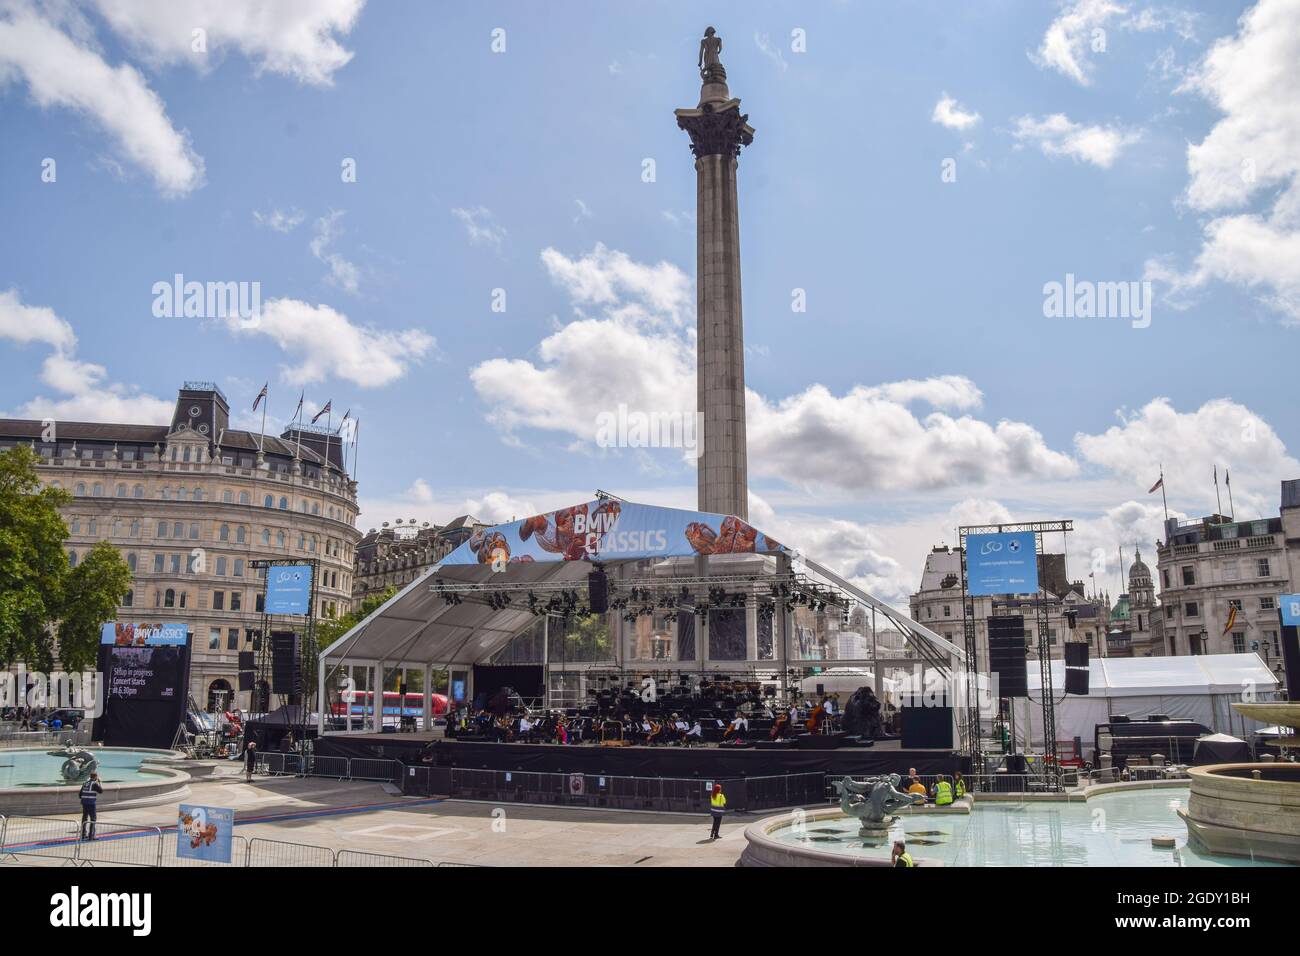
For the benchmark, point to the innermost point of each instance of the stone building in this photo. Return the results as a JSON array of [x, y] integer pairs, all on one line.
[[1072, 615], [190, 506], [1129, 631], [397, 554], [1219, 584]]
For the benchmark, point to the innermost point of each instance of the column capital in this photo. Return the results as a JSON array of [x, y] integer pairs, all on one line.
[[716, 129]]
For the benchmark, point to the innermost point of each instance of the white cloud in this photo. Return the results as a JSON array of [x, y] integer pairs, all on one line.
[[1221, 434], [481, 227], [342, 273], [1057, 135], [628, 290], [296, 38], [948, 112], [325, 343], [1067, 45], [62, 72], [280, 220], [1252, 153], [87, 394], [770, 50], [584, 211]]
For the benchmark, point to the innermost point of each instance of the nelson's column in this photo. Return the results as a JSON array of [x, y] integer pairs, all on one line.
[[718, 130]]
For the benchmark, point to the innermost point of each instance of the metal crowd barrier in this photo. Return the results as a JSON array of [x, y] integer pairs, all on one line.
[[263, 852], [370, 768], [238, 856], [364, 858], [115, 844], [274, 764]]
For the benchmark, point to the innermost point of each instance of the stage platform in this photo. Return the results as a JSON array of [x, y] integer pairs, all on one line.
[[801, 756]]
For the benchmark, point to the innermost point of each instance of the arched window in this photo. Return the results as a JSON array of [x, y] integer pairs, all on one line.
[[243, 498], [225, 532], [81, 489], [183, 494], [227, 496], [98, 491], [72, 559], [279, 539], [169, 598], [284, 503], [76, 526], [220, 696], [94, 526], [165, 493], [128, 599], [131, 561], [302, 541], [135, 527], [266, 536], [315, 507], [240, 534], [121, 490], [198, 494], [268, 501]]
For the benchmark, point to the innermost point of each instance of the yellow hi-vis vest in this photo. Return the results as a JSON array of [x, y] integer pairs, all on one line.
[[718, 802], [905, 859], [942, 793], [961, 788]]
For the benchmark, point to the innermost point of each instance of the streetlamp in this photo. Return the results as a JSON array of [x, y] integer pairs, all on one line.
[[1204, 638]]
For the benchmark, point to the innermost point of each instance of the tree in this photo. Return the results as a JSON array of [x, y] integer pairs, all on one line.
[[40, 595], [91, 593], [329, 631]]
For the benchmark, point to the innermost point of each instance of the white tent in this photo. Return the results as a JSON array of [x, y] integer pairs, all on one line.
[[1198, 688]]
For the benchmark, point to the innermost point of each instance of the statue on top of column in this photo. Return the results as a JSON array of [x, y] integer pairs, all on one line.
[[711, 68]]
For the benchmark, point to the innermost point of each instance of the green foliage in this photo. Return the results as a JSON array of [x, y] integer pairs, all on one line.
[[40, 595], [329, 631]]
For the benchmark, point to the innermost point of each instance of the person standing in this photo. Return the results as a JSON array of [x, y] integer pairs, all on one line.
[[900, 856], [90, 791], [717, 807], [250, 760]]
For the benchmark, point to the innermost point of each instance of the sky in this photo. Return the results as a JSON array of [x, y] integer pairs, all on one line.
[[472, 226]]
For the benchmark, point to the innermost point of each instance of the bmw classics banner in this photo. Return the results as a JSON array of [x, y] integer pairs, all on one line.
[[1003, 563], [608, 530]]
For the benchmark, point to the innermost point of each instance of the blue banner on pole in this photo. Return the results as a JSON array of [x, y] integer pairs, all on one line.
[[1003, 563], [288, 589], [1290, 604], [204, 833]]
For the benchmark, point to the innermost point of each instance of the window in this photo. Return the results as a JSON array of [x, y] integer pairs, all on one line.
[[266, 536], [268, 502], [76, 526], [279, 539], [1164, 579], [218, 600], [232, 639], [1261, 567], [243, 497], [1267, 604], [178, 529], [130, 561], [214, 638], [1191, 609], [128, 599], [72, 559], [158, 560], [227, 496], [239, 568], [221, 566], [138, 491], [169, 598], [1238, 642], [81, 489], [1234, 604], [225, 532], [1169, 612], [236, 600], [176, 564], [260, 602], [240, 534], [135, 527], [284, 503], [121, 491], [186, 455], [1189, 575], [947, 610], [194, 531], [162, 530], [184, 597], [93, 526], [98, 490], [198, 494]]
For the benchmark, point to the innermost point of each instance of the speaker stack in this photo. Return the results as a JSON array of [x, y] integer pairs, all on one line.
[[598, 591], [247, 668], [1007, 652], [1076, 667], [286, 678]]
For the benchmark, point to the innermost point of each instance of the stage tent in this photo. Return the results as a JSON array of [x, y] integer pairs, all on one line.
[[420, 628], [1199, 688]]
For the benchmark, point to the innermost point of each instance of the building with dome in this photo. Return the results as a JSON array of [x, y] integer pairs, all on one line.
[[1129, 630]]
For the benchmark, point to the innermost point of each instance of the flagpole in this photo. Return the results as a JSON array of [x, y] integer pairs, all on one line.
[[1218, 502], [329, 425], [297, 420], [261, 436], [1227, 480], [356, 441]]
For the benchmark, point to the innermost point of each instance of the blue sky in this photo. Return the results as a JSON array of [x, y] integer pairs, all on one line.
[[922, 387]]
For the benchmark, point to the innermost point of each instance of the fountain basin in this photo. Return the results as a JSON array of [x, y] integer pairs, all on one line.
[[30, 781], [1231, 812]]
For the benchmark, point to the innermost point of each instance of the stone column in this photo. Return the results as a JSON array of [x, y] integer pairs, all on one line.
[[718, 130]]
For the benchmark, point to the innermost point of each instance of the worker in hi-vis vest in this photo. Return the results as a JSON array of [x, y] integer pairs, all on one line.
[[900, 856], [959, 785], [942, 793], [717, 807]]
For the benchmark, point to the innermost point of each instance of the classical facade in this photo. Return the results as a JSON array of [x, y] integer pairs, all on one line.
[[190, 506], [1219, 585], [395, 555], [1072, 615], [1129, 632]]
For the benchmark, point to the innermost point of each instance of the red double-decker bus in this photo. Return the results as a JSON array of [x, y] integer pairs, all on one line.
[[394, 706]]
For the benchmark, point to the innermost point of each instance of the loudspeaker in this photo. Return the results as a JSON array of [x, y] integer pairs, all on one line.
[[1076, 654], [598, 591], [1076, 680], [1007, 654], [1291, 658], [246, 661], [285, 677], [245, 680], [927, 728]]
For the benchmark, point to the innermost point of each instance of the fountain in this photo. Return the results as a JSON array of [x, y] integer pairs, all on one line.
[[1250, 809]]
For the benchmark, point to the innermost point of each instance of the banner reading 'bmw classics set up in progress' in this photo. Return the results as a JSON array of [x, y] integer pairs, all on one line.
[[1002, 563], [608, 530]]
